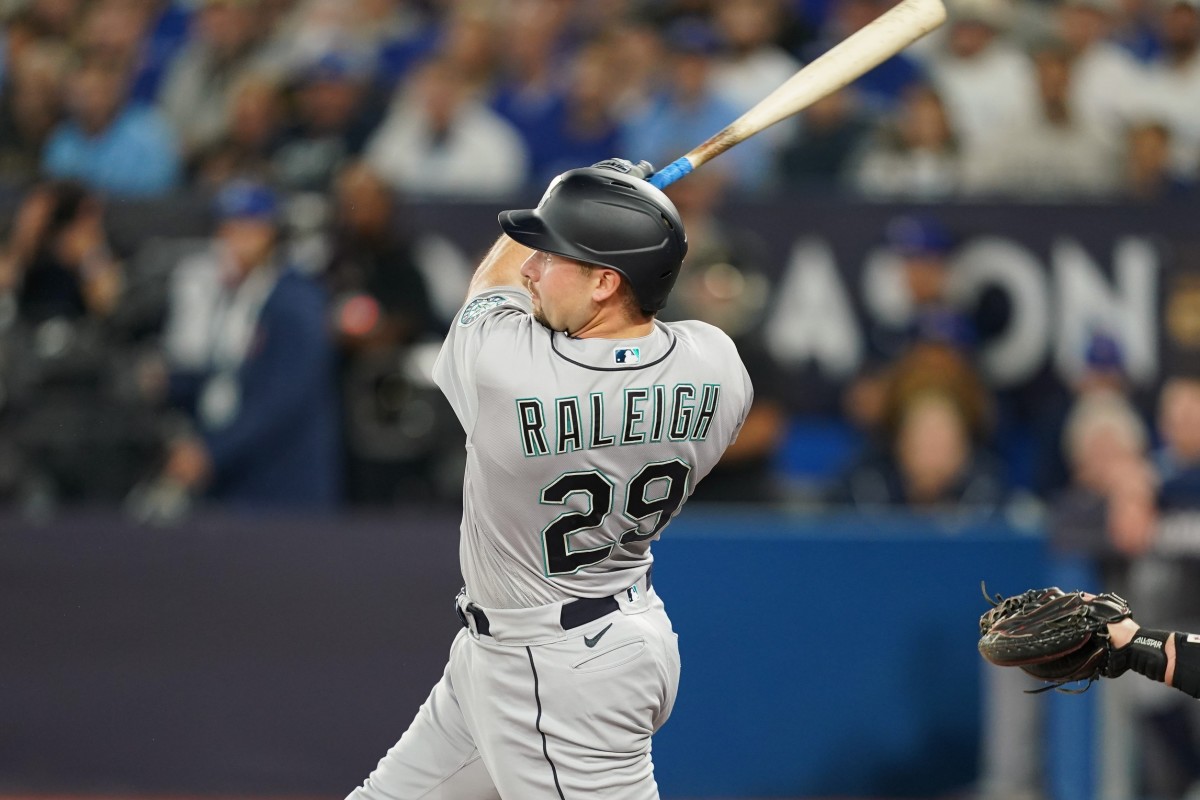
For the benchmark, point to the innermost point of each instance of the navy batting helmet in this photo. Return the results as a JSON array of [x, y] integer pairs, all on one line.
[[608, 219]]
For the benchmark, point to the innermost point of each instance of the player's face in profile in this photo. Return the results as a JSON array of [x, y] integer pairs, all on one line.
[[561, 289]]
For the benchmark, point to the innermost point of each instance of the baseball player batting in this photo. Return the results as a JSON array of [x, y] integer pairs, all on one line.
[[588, 423]]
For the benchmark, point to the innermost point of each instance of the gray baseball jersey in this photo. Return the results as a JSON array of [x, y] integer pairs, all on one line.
[[579, 451]]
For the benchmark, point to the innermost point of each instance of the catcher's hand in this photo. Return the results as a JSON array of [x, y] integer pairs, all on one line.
[[1056, 636]]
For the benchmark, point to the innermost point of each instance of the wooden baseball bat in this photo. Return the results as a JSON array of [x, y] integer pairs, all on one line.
[[863, 50]]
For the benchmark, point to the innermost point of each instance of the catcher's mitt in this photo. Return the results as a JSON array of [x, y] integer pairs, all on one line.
[[1053, 635]]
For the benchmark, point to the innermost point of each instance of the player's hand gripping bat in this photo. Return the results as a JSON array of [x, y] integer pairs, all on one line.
[[866, 48]]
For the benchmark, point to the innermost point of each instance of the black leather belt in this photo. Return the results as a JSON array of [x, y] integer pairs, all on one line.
[[573, 615]]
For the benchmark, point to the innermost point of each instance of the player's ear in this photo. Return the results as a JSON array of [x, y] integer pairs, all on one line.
[[608, 282]]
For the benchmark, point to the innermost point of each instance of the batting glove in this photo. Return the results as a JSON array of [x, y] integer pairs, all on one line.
[[642, 169]]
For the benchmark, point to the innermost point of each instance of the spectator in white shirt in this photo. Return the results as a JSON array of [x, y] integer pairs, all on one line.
[[1056, 155], [754, 65], [912, 155], [1108, 86], [439, 141], [1174, 79], [198, 89], [986, 82]]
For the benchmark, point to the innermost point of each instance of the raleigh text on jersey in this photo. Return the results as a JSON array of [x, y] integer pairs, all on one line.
[[648, 414]]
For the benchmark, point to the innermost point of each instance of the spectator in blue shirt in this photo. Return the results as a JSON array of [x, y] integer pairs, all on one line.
[[113, 146], [669, 127], [169, 25], [883, 87], [261, 386], [571, 126]]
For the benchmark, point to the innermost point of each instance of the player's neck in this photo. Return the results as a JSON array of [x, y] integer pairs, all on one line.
[[614, 326]]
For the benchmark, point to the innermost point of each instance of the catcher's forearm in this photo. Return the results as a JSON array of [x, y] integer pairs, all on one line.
[[1170, 657], [1184, 670]]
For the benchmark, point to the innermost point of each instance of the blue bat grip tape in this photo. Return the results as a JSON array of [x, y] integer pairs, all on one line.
[[671, 173]]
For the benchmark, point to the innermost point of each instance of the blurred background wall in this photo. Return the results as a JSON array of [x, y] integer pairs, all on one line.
[[284, 655]]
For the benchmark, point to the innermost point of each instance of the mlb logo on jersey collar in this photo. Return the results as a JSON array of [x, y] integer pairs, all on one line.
[[627, 355]]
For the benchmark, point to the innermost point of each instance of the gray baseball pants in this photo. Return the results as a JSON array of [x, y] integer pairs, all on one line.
[[530, 710]]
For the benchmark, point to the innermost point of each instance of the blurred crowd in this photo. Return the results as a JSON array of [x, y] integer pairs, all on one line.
[[481, 98], [282, 358]]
